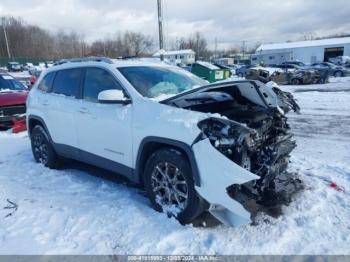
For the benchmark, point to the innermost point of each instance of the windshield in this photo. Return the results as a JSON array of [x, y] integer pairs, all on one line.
[[8, 83], [157, 81]]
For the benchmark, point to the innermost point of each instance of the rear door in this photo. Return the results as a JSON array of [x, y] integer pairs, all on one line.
[[62, 104], [104, 130]]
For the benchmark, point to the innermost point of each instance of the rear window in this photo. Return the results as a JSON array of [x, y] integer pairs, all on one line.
[[46, 83], [67, 82]]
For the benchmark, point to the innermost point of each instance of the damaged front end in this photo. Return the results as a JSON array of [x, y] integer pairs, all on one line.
[[262, 151], [243, 153]]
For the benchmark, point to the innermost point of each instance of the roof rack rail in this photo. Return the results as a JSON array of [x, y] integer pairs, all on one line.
[[85, 59]]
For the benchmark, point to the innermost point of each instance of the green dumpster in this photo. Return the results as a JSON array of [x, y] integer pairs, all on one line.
[[209, 71]]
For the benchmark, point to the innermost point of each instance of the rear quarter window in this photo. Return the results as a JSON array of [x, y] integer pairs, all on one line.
[[46, 83], [67, 82]]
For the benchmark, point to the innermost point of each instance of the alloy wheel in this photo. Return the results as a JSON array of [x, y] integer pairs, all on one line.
[[170, 187], [40, 148]]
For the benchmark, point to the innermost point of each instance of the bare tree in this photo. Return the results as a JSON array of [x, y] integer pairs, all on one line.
[[197, 43], [123, 45]]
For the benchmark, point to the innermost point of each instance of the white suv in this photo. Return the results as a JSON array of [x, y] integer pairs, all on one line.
[[194, 146]]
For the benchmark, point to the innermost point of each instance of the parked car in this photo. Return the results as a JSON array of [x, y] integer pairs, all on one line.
[[13, 95], [14, 67], [333, 70], [303, 77], [298, 63], [288, 66], [193, 146], [339, 60], [291, 77], [28, 67], [242, 70]]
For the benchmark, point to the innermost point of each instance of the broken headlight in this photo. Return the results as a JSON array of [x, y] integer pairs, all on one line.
[[225, 133], [234, 140]]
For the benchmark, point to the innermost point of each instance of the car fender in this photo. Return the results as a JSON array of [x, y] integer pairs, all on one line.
[[171, 143]]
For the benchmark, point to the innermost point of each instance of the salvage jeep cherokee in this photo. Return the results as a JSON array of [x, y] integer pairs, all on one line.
[[194, 146]]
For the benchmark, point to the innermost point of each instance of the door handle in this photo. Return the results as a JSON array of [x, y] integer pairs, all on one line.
[[83, 110], [45, 103]]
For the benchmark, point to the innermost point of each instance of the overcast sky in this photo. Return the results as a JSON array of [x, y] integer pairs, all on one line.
[[230, 21]]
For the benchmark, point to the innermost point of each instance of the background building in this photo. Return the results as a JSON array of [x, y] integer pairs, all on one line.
[[224, 61], [305, 51], [179, 57]]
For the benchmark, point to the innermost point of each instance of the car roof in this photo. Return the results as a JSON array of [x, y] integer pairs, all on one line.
[[128, 63], [115, 63]]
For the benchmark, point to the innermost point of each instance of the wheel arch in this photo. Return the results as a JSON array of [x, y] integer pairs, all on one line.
[[150, 144], [299, 80], [338, 71], [37, 120]]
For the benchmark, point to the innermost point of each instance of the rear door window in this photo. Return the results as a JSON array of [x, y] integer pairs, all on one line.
[[67, 82], [98, 80], [46, 83]]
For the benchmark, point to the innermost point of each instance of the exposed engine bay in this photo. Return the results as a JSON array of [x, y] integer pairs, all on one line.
[[253, 132]]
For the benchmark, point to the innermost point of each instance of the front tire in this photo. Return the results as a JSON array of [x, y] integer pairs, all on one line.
[[42, 148], [296, 81], [169, 185]]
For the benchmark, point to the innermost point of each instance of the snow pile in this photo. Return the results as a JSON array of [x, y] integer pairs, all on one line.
[[77, 210]]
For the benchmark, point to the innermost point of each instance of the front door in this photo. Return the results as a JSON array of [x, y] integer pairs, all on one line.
[[104, 130]]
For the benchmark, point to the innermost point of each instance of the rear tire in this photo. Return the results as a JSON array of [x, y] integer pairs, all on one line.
[[42, 149], [169, 184], [338, 74]]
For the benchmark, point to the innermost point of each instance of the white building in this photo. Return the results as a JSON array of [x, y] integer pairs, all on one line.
[[305, 51], [224, 61], [178, 57]]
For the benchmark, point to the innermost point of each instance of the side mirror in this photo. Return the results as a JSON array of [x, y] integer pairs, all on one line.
[[113, 96]]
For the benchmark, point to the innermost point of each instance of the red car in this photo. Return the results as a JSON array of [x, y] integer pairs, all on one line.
[[13, 96]]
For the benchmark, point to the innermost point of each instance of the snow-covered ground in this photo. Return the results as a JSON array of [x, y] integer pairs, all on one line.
[[83, 210]]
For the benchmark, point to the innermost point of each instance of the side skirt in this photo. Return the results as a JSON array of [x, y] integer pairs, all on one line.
[[92, 159]]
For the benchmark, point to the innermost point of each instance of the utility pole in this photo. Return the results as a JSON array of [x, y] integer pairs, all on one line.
[[6, 40], [160, 30], [243, 48], [216, 48]]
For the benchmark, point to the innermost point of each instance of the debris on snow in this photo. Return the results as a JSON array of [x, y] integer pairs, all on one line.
[[11, 206]]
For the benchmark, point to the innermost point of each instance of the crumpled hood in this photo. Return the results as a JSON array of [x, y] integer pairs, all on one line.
[[13, 98], [257, 93]]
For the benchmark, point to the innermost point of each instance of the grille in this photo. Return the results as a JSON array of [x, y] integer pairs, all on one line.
[[12, 110]]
